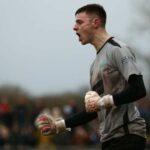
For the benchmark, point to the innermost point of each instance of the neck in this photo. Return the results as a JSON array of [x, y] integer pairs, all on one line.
[[99, 39]]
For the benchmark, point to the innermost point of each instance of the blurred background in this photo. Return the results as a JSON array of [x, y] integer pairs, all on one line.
[[43, 66]]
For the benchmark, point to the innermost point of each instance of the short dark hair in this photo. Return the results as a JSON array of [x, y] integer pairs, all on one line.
[[94, 9]]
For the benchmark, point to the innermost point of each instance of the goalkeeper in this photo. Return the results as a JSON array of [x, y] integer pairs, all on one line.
[[116, 83]]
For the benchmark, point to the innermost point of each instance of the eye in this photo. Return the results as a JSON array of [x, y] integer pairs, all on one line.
[[79, 22]]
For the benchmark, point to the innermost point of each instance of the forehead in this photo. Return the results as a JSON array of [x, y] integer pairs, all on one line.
[[82, 16]]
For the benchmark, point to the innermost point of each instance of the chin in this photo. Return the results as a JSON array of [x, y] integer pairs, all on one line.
[[84, 43]]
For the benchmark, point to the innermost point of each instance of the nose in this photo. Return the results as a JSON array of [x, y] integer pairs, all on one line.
[[75, 28]]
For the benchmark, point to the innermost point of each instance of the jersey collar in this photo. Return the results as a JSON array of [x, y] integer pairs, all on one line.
[[104, 44]]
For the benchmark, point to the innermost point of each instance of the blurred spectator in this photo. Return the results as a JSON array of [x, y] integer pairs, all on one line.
[[70, 108], [5, 112], [4, 135], [45, 142], [81, 137], [27, 136], [37, 107], [93, 133], [56, 112], [14, 138], [21, 115], [20, 133]]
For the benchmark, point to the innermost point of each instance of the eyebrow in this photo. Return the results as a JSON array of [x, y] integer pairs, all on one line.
[[78, 21]]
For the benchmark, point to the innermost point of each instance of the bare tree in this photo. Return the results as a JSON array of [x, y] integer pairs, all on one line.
[[140, 35]]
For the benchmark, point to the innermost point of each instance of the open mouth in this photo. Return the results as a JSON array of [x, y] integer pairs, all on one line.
[[78, 34]]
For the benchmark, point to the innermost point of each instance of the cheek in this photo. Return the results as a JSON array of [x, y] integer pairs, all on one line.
[[85, 30], [88, 35], [88, 30]]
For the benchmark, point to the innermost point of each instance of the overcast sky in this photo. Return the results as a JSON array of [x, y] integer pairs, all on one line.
[[39, 50]]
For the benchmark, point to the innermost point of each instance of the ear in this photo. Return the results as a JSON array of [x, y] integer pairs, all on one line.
[[96, 22]]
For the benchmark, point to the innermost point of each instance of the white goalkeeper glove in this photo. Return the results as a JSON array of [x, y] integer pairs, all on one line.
[[93, 102], [48, 125]]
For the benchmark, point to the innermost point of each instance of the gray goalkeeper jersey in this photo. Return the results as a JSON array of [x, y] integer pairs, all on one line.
[[109, 73]]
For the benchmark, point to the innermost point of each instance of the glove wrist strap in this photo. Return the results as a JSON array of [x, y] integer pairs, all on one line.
[[61, 126], [106, 101]]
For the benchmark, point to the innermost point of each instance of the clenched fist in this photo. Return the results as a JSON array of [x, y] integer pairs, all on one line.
[[48, 125], [93, 102]]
